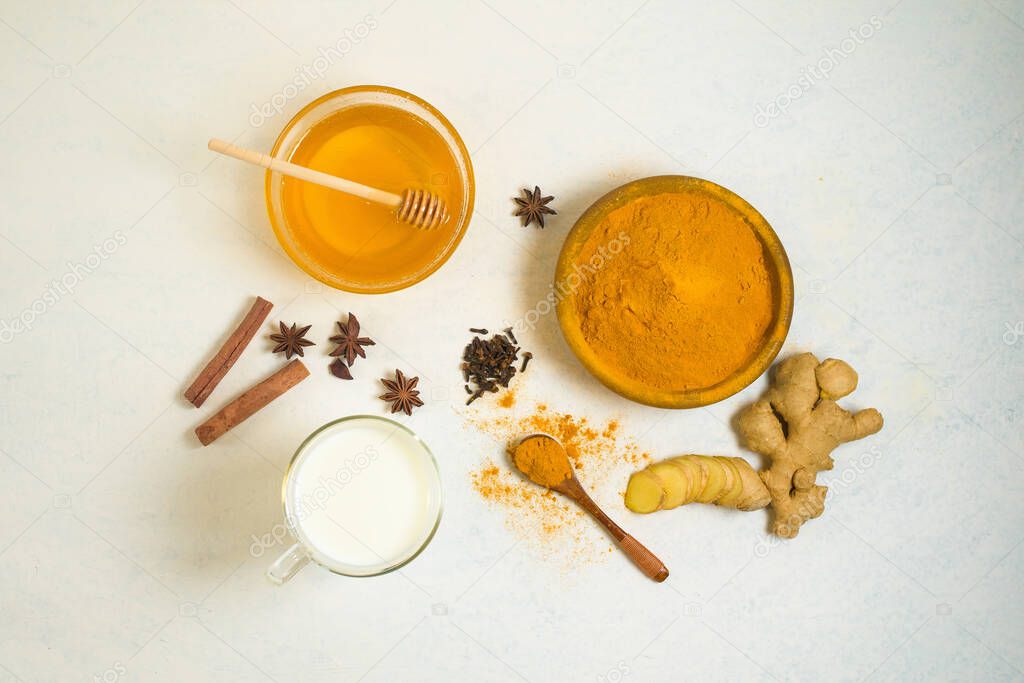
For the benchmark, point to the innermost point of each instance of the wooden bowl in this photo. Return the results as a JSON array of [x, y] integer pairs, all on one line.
[[741, 377]]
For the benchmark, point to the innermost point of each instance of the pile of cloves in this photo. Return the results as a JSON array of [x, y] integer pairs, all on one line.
[[488, 365]]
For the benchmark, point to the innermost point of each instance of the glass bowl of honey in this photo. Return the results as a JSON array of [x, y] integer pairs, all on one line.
[[385, 138]]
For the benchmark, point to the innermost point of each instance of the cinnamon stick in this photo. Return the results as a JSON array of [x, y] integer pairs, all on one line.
[[219, 365], [259, 396]]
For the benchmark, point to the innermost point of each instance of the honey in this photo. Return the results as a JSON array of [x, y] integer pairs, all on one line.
[[361, 244]]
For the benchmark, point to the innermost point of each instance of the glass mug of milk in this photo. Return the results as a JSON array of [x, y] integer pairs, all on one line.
[[362, 497]]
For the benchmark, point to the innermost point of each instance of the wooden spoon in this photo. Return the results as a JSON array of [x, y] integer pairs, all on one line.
[[570, 487]]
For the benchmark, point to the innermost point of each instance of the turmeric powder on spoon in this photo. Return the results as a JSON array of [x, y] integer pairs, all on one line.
[[543, 460]]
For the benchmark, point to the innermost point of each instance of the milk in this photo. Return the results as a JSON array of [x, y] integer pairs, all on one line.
[[363, 496]]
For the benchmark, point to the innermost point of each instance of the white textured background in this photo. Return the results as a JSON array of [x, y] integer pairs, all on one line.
[[896, 184]]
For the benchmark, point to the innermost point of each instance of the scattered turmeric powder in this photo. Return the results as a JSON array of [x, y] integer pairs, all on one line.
[[536, 509], [689, 300], [507, 399], [552, 526]]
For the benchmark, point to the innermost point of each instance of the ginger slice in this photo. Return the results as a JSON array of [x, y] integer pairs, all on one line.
[[726, 481], [644, 492], [695, 474], [674, 484]]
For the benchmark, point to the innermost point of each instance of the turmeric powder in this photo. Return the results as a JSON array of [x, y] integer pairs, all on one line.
[[543, 460], [689, 299], [551, 526]]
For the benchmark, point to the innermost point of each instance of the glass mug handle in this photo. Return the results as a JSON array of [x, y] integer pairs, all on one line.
[[288, 564]]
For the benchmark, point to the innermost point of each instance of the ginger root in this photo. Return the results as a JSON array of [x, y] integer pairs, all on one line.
[[798, 426], [727, 481]]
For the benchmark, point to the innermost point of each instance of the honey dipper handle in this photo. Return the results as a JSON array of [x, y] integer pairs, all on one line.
[[302, 173]]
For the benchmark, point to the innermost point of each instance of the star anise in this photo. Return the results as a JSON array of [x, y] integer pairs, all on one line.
[[291, 340], [532, 206], [339, 369], [402, 394], [350, 344]]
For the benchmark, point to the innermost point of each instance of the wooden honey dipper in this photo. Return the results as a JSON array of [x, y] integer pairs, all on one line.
[[419, 208]]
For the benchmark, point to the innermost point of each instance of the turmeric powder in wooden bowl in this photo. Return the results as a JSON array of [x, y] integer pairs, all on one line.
[[674, 291]]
